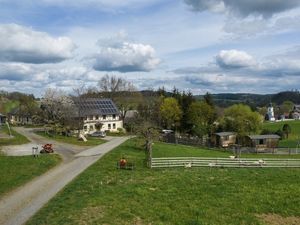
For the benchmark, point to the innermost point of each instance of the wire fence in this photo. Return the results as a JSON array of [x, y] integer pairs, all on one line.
[[224, 162]]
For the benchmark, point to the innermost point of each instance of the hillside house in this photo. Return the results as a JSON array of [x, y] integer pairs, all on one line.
[[17, 117], [296, 112], [223, 139], [2, 119], [262, 142], [99, 115]]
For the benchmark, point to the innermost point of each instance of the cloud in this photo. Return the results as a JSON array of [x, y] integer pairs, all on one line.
[[231, 59], [22, 44], [119, 54], [15, 71], [244, 8], [237, 71]]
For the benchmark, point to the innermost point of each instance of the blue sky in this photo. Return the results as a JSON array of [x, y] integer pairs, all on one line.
[[196, 45]]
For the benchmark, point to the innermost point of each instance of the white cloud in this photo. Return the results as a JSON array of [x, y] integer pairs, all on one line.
[[15, 71], [234, 59], [23, 44], [264, 8], [119, 54]]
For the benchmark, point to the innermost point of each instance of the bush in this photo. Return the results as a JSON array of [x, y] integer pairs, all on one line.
[[121, 130], [280, 133]]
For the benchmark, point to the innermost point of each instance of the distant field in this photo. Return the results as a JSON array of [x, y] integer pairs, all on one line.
[[91, 141], [17, 138], [17, 170], [104, 195], [293, 137]]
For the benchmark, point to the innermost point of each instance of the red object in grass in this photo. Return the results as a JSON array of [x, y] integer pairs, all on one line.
[[123, 162]]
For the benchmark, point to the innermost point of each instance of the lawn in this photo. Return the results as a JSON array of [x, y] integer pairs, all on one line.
[[172, 150], [293, 137], [91, 141], [17, 138], [104, 195], [16, 170]]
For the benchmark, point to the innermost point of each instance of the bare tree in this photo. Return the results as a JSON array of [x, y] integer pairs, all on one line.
[[114, 84], [121, 91]]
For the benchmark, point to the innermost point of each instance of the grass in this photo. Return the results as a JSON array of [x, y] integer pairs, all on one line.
[[172, 150], [104, 195], [17, 138], [16, 170], [91, 141], [293, 137]]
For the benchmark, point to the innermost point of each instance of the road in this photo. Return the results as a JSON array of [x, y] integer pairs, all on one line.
[[17, 207]]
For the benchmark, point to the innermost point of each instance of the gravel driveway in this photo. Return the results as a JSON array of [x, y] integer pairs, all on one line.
[[18, 206]]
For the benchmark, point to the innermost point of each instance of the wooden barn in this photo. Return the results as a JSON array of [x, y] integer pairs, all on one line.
[[223, 139], [261, 142]]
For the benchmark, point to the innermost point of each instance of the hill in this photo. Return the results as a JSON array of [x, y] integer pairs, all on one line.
[[255, 100]]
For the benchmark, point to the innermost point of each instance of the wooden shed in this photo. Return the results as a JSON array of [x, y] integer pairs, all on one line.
[[223, 139], [261, 142]]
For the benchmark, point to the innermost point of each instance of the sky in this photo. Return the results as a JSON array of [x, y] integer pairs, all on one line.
[[216, 46]]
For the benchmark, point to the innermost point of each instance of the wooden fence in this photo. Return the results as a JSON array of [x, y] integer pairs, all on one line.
[[223, 162]]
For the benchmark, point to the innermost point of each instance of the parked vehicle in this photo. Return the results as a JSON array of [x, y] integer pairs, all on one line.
[[98, 134]]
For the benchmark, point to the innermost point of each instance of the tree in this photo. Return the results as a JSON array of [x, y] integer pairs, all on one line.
[[58, 109], [113, 84], [121, 91], [209, 99], [286, 107], [146, 124], [241, 119], [149, 133], [186, 101], [286, 129], [202, 116], [170, 112]]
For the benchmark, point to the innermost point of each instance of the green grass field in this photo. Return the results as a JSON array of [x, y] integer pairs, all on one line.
[[17, 138], [91, 141], [16, 171], [105, 195], [293, 137]]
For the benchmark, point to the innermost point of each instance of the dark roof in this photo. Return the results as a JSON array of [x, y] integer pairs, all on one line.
[[223, 134], [96, 106], [1, 115], [266, 136], [17, 112]]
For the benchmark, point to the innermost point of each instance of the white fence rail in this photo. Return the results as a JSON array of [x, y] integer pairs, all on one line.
[[223, 162]]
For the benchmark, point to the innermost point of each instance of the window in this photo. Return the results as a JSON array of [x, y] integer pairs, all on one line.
[[109, 126], [114, 126], [91, 127], [85, 128], [104, 117], [97, 117], [91, 117], [261, 141], [114, 116]]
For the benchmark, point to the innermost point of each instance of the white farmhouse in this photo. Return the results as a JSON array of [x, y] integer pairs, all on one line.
[[99, 114]]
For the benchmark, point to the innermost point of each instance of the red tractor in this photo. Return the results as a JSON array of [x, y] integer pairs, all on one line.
[[47, 148]]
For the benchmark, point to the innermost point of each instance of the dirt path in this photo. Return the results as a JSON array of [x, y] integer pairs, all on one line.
[[17, 207], [67, 151]]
